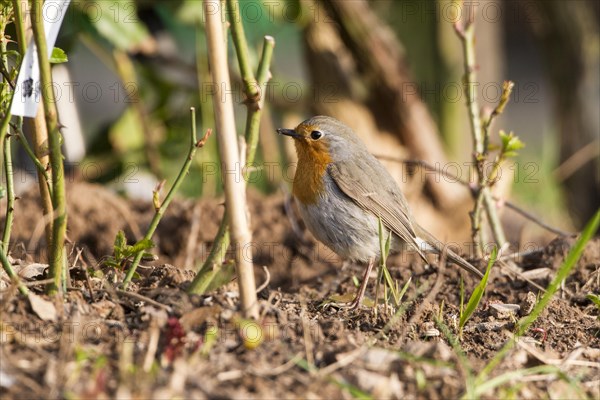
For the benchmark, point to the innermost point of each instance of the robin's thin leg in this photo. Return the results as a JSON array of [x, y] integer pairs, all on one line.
[[354, 304], [363, 286]]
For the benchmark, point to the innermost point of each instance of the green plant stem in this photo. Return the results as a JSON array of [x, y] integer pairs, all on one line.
[[10, 193], [7, 154], [159, 212], [252, 85], [4, 138], [59, 226], [4, 126], [213, 262], [562, 273], [471, 88], [241, 46], [19, 27], [476, 131], [480, 142], [255, 110], [494, 218], [7, 115], [11, 273], [40, 131]]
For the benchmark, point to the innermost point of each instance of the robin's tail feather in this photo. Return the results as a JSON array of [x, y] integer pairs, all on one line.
[[428, 243]]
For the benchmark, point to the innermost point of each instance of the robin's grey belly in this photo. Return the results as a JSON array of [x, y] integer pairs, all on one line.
[[336, 221]]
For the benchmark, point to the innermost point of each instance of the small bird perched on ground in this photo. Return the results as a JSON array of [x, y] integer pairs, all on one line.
[[342, 191]]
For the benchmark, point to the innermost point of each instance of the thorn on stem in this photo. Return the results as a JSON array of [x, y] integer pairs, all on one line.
[[500, 202], [202, 142], [156, 194], [252, 100], [459, 29]]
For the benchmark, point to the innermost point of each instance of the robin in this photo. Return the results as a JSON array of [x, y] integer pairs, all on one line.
[[343, 191]]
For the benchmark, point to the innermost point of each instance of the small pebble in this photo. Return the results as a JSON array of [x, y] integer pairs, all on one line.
[[527, 304], [503, 311]]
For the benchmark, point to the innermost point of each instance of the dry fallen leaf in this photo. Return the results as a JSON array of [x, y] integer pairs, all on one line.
[[31, 271], [42, 308]]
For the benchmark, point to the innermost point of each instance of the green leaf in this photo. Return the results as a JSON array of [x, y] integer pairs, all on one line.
[[510, 144], [404, 289], [187, 13], [594, 298], [119, 246], [142, 245], [384, 248], [462, 296], [478, 292], [120, 240], [213, 279], [58, 56], [112, 263], [117, 22], [388, 243]]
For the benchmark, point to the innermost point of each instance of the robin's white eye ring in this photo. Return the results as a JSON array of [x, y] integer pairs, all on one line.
[[316, 135]]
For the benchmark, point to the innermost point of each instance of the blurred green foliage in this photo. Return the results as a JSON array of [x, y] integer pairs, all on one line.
[[165, 44]]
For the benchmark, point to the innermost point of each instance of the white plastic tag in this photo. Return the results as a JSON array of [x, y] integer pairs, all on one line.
[[27, 95]]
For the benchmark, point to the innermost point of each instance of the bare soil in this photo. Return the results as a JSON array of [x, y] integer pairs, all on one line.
[[157, 341]]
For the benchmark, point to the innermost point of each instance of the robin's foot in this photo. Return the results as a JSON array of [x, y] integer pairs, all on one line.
[[354, 304], [350, 306]]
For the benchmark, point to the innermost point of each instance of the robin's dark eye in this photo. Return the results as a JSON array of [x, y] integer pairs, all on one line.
[[316, 135]]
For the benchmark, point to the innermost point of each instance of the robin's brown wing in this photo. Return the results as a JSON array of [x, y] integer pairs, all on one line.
[[366, 181], [373, 189]]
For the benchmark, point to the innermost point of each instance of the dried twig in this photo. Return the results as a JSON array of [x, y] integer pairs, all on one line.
[[255, 102], [230, 157], [140, 297], [577, 160], [37, 283], [277, 370], [266, 282], [535, 219], [455, 178]]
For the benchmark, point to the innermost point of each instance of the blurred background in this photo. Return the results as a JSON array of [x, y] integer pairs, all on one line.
[[392, 70]]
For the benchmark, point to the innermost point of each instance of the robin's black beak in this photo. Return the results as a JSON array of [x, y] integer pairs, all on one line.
[[288, 132]]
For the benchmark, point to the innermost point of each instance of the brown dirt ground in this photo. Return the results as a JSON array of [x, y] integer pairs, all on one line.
[[99, 342]]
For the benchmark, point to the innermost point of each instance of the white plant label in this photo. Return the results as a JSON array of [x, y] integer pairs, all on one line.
[[27, 96]]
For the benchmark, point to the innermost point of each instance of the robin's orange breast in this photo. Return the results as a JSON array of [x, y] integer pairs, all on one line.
[[313, 159]]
